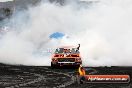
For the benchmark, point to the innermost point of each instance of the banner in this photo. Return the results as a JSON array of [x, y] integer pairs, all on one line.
[[107, 78]]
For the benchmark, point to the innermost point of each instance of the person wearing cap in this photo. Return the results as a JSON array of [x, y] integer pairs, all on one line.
[[78, 47]]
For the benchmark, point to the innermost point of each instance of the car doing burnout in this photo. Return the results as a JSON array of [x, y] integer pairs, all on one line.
[[66, 56]]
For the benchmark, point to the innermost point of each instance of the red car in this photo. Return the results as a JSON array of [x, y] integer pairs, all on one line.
[[69, 56]]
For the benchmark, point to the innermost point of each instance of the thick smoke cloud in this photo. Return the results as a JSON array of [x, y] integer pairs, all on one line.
[[103, 29]]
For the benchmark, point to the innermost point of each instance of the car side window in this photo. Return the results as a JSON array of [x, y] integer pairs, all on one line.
[[56, 51], [61, 50], [74, 51]]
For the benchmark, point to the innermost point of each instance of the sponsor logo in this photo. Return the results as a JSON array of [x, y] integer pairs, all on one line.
[[107, 78]]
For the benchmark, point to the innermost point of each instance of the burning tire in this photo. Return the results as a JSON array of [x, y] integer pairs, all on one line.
[[54, 65]]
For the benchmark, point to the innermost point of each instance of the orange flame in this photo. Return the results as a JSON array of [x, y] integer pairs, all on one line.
[[81, 71]]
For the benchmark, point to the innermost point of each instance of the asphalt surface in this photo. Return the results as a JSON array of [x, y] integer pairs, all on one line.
[[14, 76]]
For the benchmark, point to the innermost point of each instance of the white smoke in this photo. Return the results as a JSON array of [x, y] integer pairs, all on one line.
[[103, 29]]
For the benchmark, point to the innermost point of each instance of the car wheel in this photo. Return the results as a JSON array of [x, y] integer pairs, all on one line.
[[54, 65]]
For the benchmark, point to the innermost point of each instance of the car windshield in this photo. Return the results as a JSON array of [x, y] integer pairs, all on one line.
[[63, 50]]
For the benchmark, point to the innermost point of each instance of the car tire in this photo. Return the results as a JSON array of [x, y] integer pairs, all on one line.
[[54, 65]]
